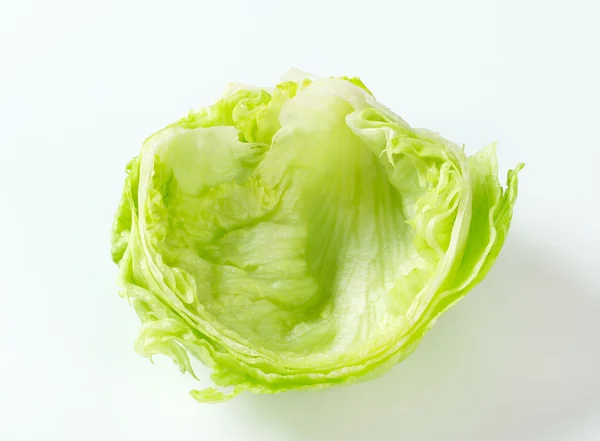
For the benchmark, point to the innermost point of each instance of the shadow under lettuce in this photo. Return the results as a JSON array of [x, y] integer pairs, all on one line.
[[516, 359]]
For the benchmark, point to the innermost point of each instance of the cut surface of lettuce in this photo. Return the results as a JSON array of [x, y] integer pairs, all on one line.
[[302, 236]]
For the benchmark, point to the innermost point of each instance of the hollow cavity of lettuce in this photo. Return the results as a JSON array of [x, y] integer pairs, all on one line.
[[301, 236]]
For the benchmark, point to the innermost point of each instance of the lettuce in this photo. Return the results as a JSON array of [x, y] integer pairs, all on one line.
[[302, 236]]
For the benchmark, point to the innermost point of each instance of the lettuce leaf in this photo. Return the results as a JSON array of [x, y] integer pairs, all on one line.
[[302, 236]]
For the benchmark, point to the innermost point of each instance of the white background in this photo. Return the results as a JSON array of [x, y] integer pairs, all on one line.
[[83, 83]]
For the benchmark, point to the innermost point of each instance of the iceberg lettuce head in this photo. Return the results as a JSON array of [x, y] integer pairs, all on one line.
[[301, 236]]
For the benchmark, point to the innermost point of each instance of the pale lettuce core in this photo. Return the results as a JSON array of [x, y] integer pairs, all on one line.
[[302, 236]]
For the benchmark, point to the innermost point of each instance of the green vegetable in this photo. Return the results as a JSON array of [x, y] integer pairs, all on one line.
[[302, 236]]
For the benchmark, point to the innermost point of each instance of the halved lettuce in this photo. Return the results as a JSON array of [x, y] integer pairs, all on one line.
[[302, 236]]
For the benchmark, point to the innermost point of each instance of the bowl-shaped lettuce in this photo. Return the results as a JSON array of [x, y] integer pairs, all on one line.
[[302, 236]]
